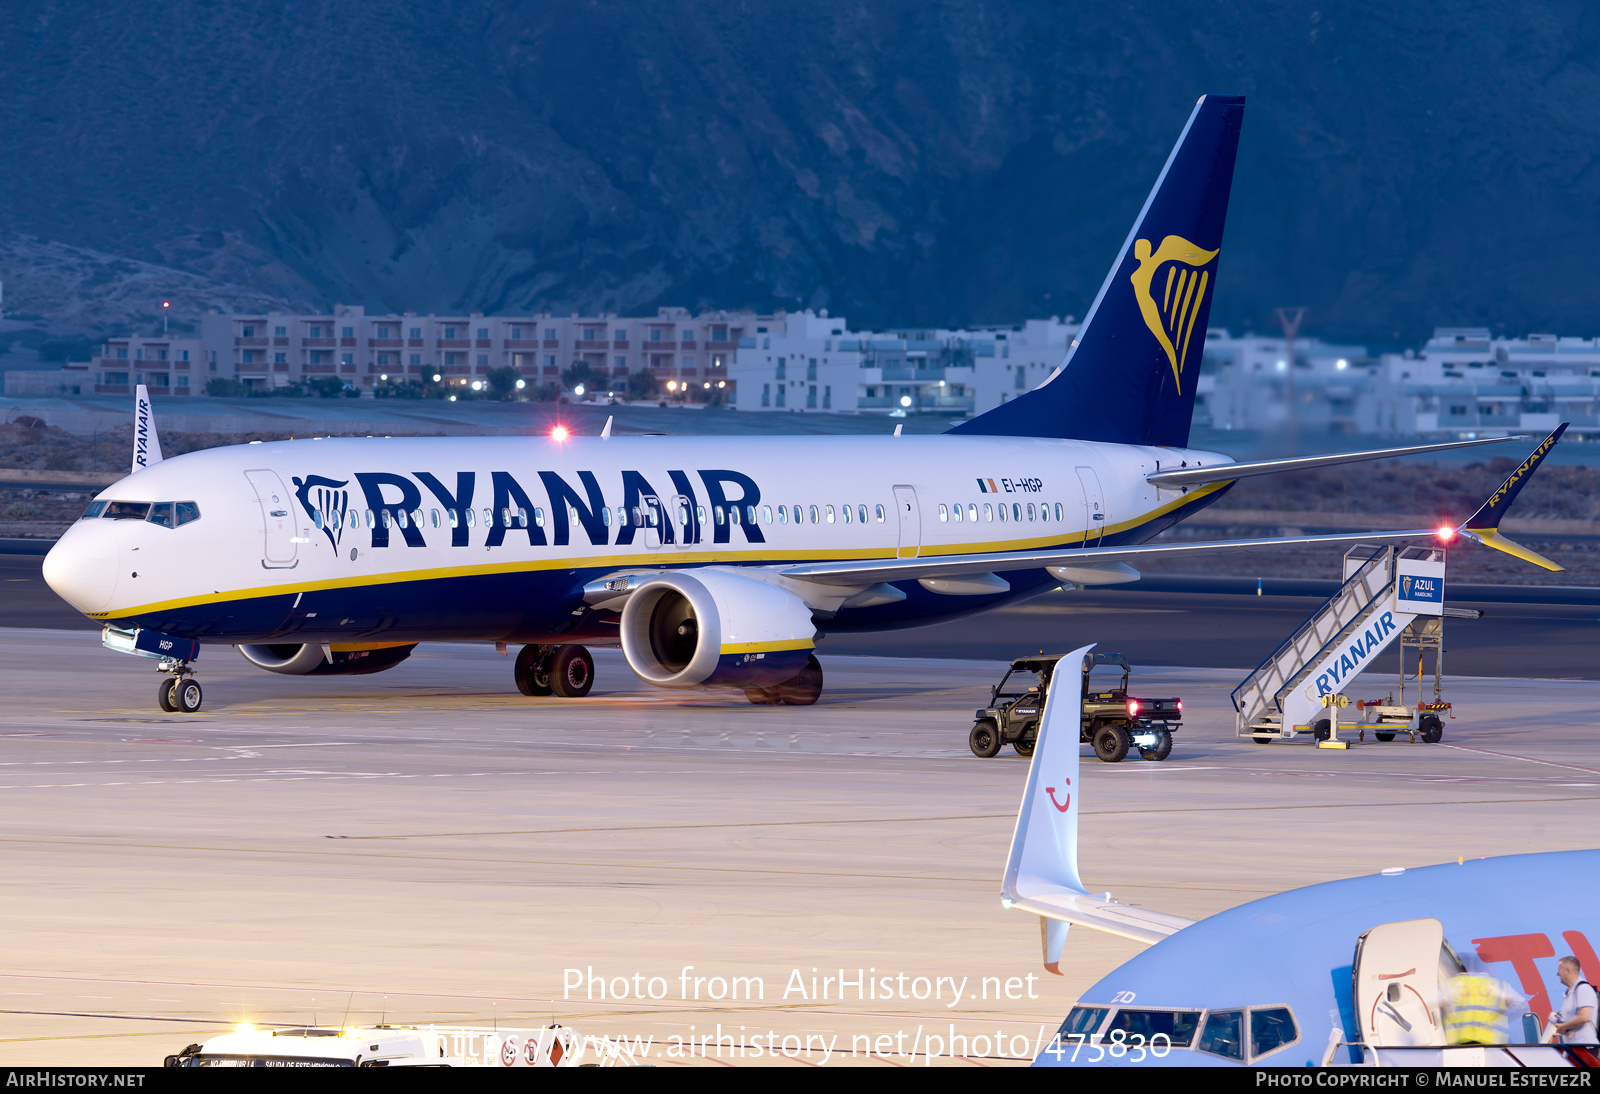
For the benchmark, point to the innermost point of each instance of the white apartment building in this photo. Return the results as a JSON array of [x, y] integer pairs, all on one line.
[[1466, 383], [167, 366], [280, 349], [1246, 383], [811, 362]]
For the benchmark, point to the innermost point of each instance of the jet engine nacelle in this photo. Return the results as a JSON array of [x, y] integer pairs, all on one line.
[[715, 627], [349, 658]]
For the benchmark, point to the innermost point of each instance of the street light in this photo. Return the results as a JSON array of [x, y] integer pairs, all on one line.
[[578, 390], [905, 400], [521, 384], [437, 378], [166, 307]]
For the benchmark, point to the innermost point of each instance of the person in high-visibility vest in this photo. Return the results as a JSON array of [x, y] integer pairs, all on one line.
[[1477, 1010]]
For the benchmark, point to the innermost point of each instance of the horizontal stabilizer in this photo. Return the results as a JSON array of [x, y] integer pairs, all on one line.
[[1099, 913], [1229, 472]]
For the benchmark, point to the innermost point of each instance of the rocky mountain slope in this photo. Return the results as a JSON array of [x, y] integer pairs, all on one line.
[[905, 161]]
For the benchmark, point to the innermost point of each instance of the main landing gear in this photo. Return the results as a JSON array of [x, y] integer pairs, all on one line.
[[181, 693], [563, 671], [802, 690]]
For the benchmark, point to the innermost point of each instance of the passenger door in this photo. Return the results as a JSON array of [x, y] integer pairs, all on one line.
[[277, 517], [683, 512], [1094, 507], [1397, 983], [910, 522], [651, 509]]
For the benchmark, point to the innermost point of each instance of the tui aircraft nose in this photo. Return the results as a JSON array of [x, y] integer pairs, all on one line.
[[82, 567]]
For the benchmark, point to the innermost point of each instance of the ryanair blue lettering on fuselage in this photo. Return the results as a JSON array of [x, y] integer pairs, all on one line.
[[548, 507], [1353, 658]]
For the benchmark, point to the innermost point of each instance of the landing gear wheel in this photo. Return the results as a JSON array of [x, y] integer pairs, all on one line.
[[571, 672], [1431, 728], [1024, 745], [1163, 747], [164, 696], [188, 696], [763, 697], [984, 740], [1111, 743], [1384, 737], [533, 670], [805, 688]]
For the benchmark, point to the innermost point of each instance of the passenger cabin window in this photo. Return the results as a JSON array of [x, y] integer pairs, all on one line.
[[783, 514], [814, 515], [830, 514], [878, 510], [861, 513], [956, 511], [944, 513], [846, 514], [988, 512], [1222, 1036], [972, 512]]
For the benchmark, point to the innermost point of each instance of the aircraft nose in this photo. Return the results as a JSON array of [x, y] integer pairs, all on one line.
[[82, 566]]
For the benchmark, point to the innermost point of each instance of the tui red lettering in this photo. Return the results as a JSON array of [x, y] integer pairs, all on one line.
[[1522, 950]]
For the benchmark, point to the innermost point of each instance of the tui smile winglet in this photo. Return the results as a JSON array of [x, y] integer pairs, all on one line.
[[1484, 525]]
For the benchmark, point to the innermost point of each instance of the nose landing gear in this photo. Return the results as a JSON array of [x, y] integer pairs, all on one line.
[[182, 693]]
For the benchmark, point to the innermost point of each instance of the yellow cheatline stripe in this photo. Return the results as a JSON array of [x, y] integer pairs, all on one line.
[[1491, 537], [666, 558], [769, 647]]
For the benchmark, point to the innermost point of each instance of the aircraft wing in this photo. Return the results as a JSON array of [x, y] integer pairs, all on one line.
[[868, 571]]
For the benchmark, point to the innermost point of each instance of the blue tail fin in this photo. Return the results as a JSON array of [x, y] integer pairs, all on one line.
[[1131, 375]]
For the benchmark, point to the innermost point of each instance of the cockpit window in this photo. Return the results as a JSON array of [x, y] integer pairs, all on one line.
[[1270, 1030], [1178, 1025], [94, 510], [161, 513], [188, 512], [1223, 1034], [126, 510], [1082, 1021]]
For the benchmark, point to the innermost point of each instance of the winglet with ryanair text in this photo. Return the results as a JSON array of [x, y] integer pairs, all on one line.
[[1484, 525]]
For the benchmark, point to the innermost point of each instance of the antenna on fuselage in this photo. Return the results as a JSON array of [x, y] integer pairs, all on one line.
[[898, 428], [146, 446], [605, 430]]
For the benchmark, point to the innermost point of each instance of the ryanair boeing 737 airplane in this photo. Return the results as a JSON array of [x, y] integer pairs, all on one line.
[[711, 561]]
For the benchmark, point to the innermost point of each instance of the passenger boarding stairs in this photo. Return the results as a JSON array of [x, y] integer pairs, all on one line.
[[1385, 589]]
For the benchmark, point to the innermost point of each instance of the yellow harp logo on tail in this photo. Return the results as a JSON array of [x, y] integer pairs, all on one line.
[[1181, 291]]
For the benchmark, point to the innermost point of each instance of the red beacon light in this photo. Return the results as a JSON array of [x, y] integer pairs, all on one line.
[[1133, 707], [559, 433], [1445, 533]]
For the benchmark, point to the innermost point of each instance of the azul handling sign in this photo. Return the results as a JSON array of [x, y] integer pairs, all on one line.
[[1419, 587]]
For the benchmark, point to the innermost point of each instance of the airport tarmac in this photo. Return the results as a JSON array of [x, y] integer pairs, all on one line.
[[426, 845]]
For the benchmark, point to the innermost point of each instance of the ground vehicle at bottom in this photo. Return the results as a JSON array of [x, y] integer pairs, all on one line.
[[1112, 720]]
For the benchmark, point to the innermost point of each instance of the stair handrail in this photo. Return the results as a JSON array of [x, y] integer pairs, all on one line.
[[1383, 557]]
